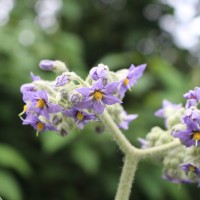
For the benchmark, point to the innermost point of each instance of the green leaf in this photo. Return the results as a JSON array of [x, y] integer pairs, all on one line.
[[10, 157], [9, 188]]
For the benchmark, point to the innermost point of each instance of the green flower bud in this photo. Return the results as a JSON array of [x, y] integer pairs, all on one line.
[[174, 118]]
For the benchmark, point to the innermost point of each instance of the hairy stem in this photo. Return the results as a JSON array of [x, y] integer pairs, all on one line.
[[132, 156], [153, 151], [120, 139], [127, 177]]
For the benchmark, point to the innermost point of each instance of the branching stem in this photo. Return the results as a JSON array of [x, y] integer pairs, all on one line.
[[132, 156]]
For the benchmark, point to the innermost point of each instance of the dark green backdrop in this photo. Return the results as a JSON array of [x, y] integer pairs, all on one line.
[[86, 165]]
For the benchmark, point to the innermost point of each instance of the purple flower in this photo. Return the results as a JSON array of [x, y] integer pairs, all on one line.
[[27, 91], [47, 65], [80, 117], [167, 105], [191, 115], [134, 73], [34, 121], [29, 88], [174, 179], [34, 77], [190, 136], [144, 143], [126, 119], [193, 97], [98, 96], [41, 105], [98, 72], [190, 168], [61, 80]]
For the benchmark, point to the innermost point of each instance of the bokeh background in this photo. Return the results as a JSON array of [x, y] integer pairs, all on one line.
[[86, 165]]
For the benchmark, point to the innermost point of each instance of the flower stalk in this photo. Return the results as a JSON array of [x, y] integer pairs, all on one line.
[[127, 177], [132, 156]]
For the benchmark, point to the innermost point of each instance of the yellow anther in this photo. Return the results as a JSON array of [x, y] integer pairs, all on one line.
[[126, 81], [191, 168], [39, 126], [80, 116], [24, 110], [196, 135], [40, 103], [98, 95]]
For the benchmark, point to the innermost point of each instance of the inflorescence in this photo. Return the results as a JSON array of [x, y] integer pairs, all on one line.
[[69, 101], [181, 164]]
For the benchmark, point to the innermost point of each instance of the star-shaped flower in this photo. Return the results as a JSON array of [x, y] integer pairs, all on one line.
[[98, 96], [37, 124], [190, 136], [167, 108], [126, 119], [190, 168], [80, 117], [133, 74]]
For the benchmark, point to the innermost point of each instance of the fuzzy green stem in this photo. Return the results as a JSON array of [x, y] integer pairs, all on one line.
[[127, 177], [132, 156], [120, 139], [153, 151]]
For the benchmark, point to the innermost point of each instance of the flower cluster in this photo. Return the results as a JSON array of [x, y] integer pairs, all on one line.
[[68, 101], [181, 164], [190, 136]]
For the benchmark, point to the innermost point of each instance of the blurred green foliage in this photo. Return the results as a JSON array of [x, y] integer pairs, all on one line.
[[86, 164]]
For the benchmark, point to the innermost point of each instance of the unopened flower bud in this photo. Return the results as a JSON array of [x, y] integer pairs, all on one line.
[[99, 72], [75, 97], [56, 119], [63, 132], [55, 66], [64, 94], [105, 81], [59, 67], [65, 126], [62, 80], [175, 118], [46, 65]]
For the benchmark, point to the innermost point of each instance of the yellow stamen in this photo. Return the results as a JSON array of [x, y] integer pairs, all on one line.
[[24, 110], [40, 103], [39, 126], [80, 116], [98, 95], [196, 135], [126, 81], [191, 168]]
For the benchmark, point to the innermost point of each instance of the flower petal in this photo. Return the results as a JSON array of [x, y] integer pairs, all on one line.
[[85, 91], [109, 99], [111, 88], [54, 108], [98, 85], [98, 107], [85, 104], [137, 72]]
